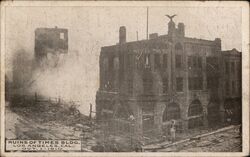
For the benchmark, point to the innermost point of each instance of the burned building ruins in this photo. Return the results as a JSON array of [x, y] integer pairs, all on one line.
[[169, 77], [49, 44]]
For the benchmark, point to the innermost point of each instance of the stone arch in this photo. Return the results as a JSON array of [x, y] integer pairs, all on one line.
[[195, 108], [172, 111], [195, 112]]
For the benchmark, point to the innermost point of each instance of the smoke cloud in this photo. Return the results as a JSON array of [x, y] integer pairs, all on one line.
[[64, 76]]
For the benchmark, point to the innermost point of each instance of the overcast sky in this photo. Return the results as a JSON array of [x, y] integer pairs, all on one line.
[[90, 28]]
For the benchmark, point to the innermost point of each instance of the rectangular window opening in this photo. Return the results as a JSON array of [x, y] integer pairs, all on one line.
[[178, 61], [148, 85], [62, 36], [179, 84], [232, 67], [165, 61], [157, 61], [227, 88], [130, 86], [196, 83], [165, 86], [227, 67]]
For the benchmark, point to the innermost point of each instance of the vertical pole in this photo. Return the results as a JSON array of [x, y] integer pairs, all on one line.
[[81, 140], [131, 142], [137, 35], [172, 77], [35, 97], [147, 23], [90, 111], [103, 129], [171, 73]]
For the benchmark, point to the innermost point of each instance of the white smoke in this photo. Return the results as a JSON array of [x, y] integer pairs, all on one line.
[[68, 77]]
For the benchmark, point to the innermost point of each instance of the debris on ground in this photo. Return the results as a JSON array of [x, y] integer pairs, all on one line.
[[47, 120]]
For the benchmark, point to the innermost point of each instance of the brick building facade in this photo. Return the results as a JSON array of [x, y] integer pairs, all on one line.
[[165, 78]]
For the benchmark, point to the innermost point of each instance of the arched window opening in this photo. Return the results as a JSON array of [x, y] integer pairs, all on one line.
[[172, 111], [195, 108]]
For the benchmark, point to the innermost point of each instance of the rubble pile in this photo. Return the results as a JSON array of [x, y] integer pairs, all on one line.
[[47, 111], [46, 119]]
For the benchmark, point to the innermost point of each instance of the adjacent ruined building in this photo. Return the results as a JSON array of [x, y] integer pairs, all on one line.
[[232, 84], [168, 77]]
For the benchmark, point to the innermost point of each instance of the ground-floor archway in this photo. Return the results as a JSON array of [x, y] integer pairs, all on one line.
[[171, 112], [195, 112], [148, 116]]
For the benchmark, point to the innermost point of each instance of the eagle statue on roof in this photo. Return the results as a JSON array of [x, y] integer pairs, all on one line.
[[171, 17]]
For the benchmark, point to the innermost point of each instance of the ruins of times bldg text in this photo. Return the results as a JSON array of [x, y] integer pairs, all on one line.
[[168, 77]]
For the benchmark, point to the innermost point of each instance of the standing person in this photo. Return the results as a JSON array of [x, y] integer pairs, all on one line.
[[172, 131]]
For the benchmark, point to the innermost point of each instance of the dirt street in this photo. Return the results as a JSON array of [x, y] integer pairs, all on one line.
[[225, 141]]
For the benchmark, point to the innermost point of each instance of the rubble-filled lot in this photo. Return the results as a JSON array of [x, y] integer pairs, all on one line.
[[48, 121]]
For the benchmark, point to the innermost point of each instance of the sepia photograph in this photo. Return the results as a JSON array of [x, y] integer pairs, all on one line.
[[141, 77]]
